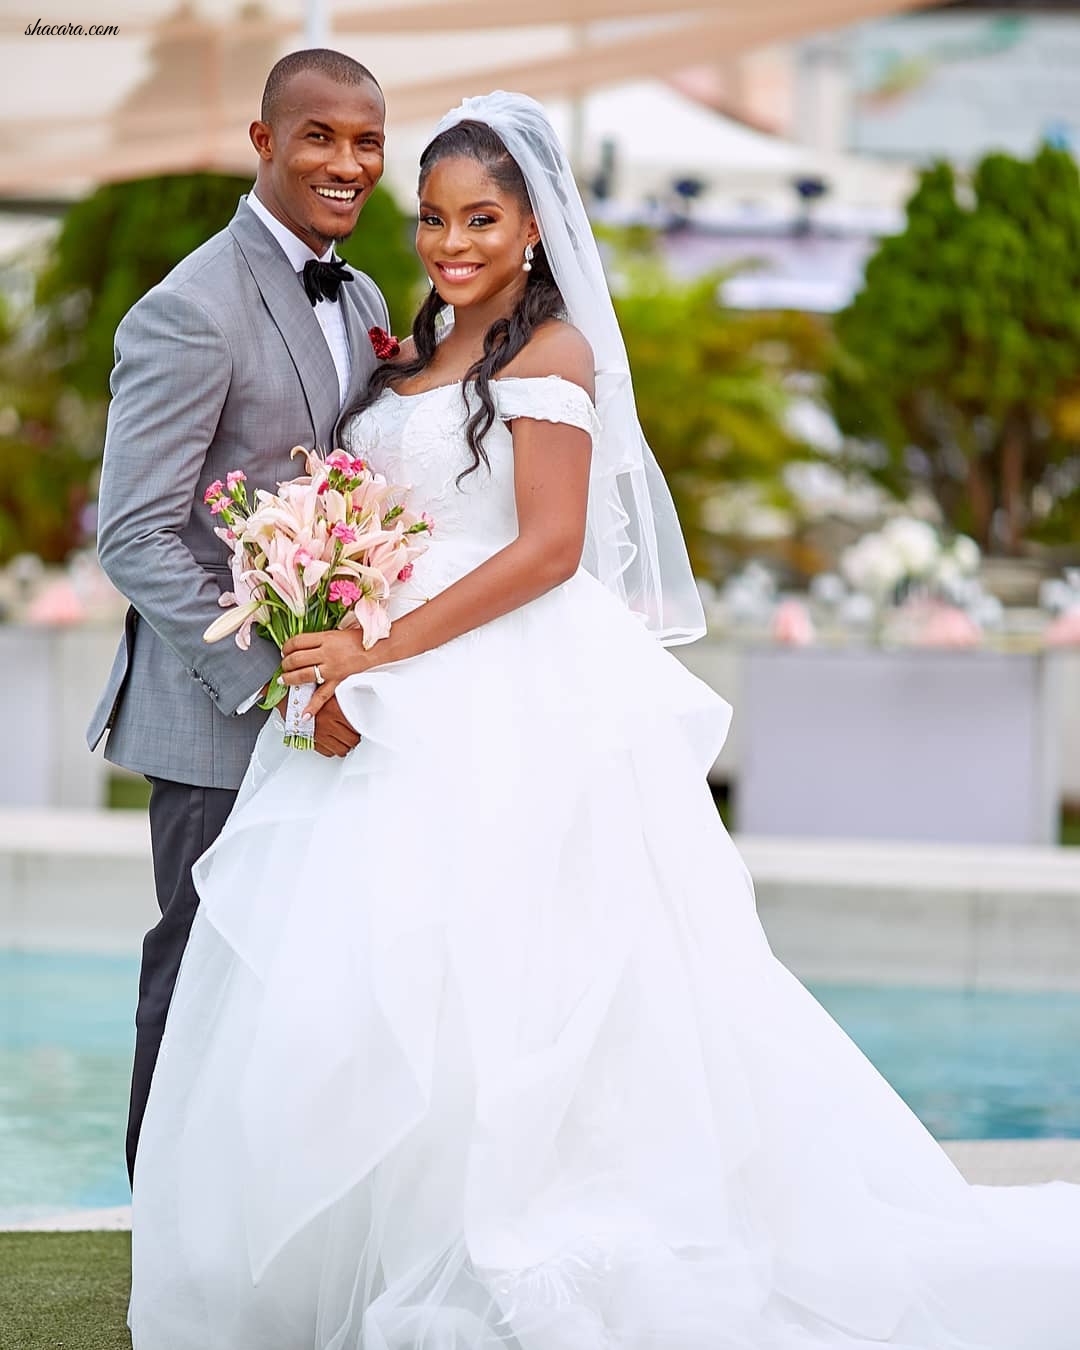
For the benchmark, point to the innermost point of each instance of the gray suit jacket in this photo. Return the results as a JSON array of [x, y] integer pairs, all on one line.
[[222, 366]]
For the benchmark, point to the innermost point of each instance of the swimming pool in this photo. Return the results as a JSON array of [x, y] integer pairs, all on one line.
[[66, 1038], [973, 1066]]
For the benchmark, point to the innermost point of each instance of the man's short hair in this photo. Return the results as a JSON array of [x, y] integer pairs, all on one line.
[[335, 65]]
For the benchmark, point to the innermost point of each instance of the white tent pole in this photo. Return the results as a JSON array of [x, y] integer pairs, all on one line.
[[316, 23]]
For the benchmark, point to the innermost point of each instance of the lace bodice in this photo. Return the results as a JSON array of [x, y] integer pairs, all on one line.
[[418, 441]]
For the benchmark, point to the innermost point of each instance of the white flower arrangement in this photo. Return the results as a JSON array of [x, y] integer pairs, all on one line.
[[906, 553]]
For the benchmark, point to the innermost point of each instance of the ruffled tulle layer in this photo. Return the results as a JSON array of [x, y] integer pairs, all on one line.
[[478, 1043]]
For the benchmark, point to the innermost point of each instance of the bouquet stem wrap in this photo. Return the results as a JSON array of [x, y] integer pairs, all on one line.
[[298, 733]]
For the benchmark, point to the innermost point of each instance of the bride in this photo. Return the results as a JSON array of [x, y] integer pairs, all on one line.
[[478, 1042]]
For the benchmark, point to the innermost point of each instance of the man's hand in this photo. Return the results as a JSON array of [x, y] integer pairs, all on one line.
[[334, 734]]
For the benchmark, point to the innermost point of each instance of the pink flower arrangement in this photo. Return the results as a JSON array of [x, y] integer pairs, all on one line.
[[324, 552], [792, 624], [57, 605], [1065, 630], [944, 625]]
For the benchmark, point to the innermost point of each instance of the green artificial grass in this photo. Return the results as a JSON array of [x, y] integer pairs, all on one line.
[[64, 1291], [127, 792]]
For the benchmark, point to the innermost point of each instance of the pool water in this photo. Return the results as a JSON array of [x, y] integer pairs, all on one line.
[[972, 1066], [66, 1040]]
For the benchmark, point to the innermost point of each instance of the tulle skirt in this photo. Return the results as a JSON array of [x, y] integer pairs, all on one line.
[[478, 1045]]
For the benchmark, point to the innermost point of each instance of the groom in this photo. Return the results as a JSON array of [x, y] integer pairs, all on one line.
[[252, 345]]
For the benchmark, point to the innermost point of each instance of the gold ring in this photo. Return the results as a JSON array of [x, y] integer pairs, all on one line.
[[320, 678]]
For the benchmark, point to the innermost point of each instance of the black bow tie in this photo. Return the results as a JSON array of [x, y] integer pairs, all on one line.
[[322, 280]]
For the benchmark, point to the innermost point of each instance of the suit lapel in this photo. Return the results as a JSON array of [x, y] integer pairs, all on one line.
[[295, 319], [361, 353]]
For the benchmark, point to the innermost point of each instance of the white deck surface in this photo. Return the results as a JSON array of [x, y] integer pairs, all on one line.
[[935, 915], [990, 1162]]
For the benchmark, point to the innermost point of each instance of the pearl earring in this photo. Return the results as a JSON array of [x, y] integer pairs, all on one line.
[[526, 266]]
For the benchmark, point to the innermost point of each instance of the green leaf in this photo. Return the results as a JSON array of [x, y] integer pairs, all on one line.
[[275, 693]]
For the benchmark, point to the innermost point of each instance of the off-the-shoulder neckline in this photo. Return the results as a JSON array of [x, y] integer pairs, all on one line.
[[505, 379]]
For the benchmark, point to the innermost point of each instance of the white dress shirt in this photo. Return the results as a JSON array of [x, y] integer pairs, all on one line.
[[328, 312]]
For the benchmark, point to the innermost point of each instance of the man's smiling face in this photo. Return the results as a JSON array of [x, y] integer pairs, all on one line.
[[320, 156]]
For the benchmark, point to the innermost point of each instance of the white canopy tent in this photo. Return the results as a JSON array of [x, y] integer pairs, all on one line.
[[662, 135]]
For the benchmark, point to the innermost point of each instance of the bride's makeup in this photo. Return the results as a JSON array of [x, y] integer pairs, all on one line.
[[471, 236]]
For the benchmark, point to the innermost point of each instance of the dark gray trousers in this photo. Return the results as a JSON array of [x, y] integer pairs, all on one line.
[[184, 822]]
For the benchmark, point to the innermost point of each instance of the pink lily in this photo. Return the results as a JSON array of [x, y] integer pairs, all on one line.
[[238, 617], [334, 506], [373, 619]]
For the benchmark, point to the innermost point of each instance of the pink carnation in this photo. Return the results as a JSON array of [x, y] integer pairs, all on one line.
[[217, 506], [344, 532], [405, 573], [344, 463], [237, 476], [344, 592], [214, 491]]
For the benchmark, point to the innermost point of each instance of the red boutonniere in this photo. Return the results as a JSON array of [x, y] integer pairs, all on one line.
[[385, 345]]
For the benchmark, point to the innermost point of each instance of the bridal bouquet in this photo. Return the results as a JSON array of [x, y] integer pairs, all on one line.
[[326, 551]]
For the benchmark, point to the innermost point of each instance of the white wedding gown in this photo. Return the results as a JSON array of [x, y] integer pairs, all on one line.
[[478, 1042]]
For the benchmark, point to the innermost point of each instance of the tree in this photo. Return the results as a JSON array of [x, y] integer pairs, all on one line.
[[44, 481], [54, 368], [958, 364], [711, 392], [123, 238]]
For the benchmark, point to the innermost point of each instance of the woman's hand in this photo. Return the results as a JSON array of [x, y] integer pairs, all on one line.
[[337, 654]]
